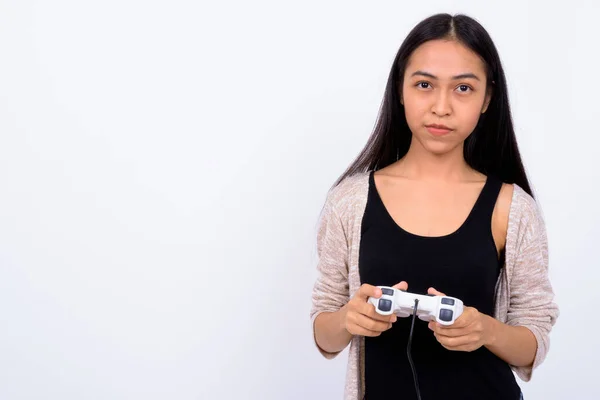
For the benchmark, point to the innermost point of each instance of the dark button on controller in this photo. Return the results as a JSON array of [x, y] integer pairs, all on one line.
[[448, 301], [385, 305], [446, 315], [389, 292]]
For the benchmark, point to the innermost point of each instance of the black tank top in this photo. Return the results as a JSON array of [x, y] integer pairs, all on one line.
[[463, 264]]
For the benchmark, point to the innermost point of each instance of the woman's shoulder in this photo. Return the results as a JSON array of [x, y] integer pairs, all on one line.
[[526, 217], [350, 190], [523, 204]]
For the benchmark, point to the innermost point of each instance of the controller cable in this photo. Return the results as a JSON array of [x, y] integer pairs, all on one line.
[[408, 352], [408, 348]]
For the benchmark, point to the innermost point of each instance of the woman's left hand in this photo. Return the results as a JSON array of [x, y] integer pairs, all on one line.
[[469, 332]]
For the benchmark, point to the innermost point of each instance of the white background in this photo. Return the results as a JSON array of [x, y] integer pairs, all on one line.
[[163, 164]]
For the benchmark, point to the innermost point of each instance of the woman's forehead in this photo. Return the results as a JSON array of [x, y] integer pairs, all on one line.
[[445, 59]]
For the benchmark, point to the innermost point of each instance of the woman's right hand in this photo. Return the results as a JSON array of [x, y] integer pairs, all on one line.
[[360, 317]]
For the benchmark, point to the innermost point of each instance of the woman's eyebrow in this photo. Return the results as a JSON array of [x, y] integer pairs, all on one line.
[[456, 77]]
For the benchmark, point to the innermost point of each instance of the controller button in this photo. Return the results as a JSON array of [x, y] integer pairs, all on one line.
[[446, 315], [389, 292], [385, 305], [448, 301]]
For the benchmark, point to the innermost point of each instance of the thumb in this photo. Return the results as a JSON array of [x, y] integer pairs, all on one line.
[[402, 286], [365, 291], [435, 292]]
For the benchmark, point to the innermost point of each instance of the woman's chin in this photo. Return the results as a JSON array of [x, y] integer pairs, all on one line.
[[439, 147]]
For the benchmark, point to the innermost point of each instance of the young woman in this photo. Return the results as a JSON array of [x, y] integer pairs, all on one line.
[[437, 203]]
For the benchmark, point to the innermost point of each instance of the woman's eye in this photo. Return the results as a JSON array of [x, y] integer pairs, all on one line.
[[464, 88], [423, 85]]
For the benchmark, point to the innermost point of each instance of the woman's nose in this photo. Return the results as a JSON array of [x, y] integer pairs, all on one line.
[[441, 105]]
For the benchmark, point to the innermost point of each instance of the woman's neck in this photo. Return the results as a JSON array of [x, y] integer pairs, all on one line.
[[421, 164]]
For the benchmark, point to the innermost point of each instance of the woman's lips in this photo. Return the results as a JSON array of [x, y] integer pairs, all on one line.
[[438, 130]]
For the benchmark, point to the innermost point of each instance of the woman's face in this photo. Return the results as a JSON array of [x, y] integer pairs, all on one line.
[[444, 84]]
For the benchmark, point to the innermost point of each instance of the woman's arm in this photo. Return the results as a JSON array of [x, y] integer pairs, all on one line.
[[516, 345], [531, 303], [523, 339], [331, 335], [331, 289]]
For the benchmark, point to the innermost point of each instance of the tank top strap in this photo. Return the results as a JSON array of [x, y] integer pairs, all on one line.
[[484, 207]]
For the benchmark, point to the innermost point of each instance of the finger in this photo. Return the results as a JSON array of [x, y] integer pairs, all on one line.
[[364, 332], [402, 285], [456, 326], [372, 324], [442, 331], [368, 310], [466, 319], [365, 291], [457, 342], [465, 348], [355, 329], [435, 292]]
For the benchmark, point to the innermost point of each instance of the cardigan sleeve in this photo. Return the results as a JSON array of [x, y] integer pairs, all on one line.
[[331, 289], [531, 294]]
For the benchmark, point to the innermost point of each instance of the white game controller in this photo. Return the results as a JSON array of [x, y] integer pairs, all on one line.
[[443, 309]]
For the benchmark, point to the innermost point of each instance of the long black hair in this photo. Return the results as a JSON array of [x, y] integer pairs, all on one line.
[[492, 146]]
